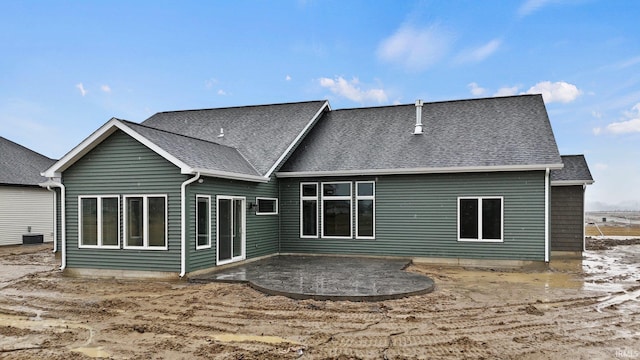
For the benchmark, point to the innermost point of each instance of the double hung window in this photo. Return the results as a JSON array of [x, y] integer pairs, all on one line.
[[203, 219]]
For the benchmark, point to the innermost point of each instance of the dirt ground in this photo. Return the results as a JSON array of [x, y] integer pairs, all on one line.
[[580, 309]]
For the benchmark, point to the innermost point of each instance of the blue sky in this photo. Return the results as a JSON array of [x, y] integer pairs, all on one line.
[[67, 67]]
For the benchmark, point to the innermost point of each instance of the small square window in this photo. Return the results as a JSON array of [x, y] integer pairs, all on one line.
[[266, 206]]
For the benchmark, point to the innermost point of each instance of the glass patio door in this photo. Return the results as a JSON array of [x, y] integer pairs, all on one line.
[[231, 229]]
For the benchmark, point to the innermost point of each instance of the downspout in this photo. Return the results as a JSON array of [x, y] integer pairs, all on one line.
[[63, 222], [183, 223], [584, 217], [546, 215], [55, 219]]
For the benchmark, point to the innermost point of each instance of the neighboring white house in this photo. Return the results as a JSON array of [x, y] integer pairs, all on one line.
[[25, 207]]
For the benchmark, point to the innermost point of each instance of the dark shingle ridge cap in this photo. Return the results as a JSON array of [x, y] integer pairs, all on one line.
[[438, 102], [26, 148], [240, 107], [176, 134]]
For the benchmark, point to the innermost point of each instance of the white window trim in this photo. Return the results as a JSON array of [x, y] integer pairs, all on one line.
[[145, 221], [336, 198], [317, 200], [267, 199], [99, 220], [480, 239], [366, 197], [208, 245]]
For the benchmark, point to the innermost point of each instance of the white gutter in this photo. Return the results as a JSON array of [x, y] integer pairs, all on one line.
[[183, 223], [55, 219], [571, 182], [546, 216], [426, 170], [63, 223]]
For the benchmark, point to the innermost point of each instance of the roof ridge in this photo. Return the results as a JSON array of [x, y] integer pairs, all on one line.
[[177, 134], [438, 102], [238, 107]]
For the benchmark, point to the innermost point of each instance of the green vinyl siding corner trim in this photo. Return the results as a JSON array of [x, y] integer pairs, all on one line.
[[416, 216]]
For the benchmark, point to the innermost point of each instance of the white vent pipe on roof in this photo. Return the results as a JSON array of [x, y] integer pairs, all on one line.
[[418, 129]]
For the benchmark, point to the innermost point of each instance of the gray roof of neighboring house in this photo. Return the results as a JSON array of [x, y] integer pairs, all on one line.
[[491, 132], [21, 166], [575, 170], [195, 152], [260, 134]]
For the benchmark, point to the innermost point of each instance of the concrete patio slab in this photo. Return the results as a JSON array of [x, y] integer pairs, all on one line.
[[326, 277]]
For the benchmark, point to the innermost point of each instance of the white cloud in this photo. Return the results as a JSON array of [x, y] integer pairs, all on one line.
[[105, 88], [210, 82], [506, 91], [287, 78], [480, 53], [476, 90], [596, 114], [601, 166], [351, 90], [415, 48], [80, 87], [530, 6], [559, 91], [221, 92], [630, 123]]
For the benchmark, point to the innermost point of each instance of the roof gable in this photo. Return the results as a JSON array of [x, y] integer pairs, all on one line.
[[20, 165], [466, 135], [264, 134]]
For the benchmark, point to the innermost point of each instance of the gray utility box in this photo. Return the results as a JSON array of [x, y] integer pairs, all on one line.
[[32, 239]]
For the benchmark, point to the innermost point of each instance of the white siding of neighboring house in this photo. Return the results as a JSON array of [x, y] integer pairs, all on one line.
[[21, 207]]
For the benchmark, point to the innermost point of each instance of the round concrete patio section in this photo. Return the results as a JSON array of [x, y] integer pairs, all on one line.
[[326, 277]]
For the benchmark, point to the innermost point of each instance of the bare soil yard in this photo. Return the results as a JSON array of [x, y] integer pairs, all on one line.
[[587, 309]]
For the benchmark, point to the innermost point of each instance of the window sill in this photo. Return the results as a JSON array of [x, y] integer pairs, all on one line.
[[481, 240]]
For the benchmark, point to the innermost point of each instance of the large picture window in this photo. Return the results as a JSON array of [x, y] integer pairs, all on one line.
[[480, 219], [309, 210], [336, 210], [365, 210], [99, 221], [145, 221], [203, 219]]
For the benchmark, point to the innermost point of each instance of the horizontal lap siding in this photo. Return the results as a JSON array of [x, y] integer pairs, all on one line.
[[22, 207], [119, 166], [262, 231], [416, 215], [567, 218]]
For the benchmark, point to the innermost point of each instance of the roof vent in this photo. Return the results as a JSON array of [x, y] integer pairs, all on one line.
[[221, 133], [418, 129]]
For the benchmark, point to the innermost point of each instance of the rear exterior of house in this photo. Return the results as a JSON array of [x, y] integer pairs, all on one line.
[[26, 209], [187, 191]]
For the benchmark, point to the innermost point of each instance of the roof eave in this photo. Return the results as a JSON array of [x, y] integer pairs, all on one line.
[[434, 170], [571, 182], [227, 175]]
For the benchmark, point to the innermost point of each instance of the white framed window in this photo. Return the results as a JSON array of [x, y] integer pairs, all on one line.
[[145, 222], [336, 220], [309, 210], [266, 206], [365, 210], [99, 221], [203, 221], [481, 218]]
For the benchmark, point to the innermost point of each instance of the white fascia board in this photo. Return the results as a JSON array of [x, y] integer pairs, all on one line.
[[227, 175], [99, 136], [298, 138], [443, 170], [571, 182]]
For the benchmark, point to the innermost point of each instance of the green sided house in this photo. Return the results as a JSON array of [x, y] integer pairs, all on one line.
[[186, 191]]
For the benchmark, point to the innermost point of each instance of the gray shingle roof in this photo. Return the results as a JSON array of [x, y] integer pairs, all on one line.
[[575, 170], [195, 152], [261, 134], [476, 133], [21, 166]]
